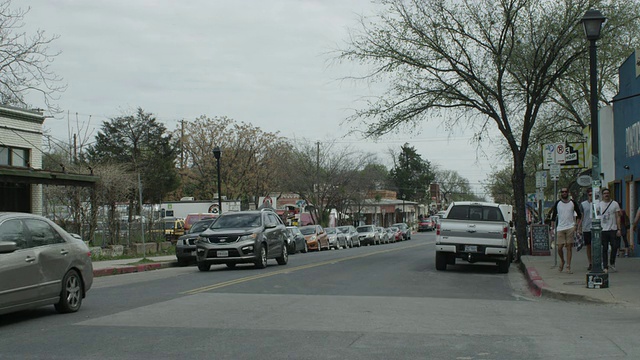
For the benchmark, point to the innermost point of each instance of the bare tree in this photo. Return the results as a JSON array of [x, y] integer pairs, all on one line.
[[323, 175], [480, 63], [248, 160], [115, 185], [25, 60], [453, 187]]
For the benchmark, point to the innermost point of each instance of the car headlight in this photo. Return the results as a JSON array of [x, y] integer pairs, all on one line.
[[203, 239], [249, 237], [313, 238], [180, 242]]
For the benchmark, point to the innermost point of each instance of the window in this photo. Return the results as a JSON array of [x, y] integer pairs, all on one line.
[[13, 230], [14, 156], [42, 233], [4, 155]]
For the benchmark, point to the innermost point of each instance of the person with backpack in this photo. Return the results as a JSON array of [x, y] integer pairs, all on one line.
[[563, 217]]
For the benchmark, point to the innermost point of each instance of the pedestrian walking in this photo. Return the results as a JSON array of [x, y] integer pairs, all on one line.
[[624, 227], [586, 224], [563, 217], [611, 229]]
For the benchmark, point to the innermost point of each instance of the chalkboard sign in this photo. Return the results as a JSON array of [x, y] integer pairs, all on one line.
[[540, 240]]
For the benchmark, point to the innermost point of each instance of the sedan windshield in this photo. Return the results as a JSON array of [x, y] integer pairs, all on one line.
[[363, 229], [237, 221], [343, 229]]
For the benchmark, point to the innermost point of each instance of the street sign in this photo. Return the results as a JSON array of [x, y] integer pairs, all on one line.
[[554, 153], [584, 180], [554, 170], [541, 179], [539, 194], [531, 197]]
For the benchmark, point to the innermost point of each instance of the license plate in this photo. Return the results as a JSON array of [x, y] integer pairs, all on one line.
[[471, 248], [223, 253]]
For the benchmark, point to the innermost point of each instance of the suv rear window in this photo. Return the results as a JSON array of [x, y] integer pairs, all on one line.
[[475, 212]]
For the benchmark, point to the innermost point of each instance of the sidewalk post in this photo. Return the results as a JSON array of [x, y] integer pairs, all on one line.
[[596, 278]]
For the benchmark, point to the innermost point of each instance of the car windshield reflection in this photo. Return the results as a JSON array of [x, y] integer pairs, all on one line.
[[237, 221]]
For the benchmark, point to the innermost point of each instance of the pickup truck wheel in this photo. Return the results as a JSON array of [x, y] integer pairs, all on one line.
[[503, 266], [441, 261], [204, 266]]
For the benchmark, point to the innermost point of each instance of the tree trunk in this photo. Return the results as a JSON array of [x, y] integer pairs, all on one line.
[[520, 217]]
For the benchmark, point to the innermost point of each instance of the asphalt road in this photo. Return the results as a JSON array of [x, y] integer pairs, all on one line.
[[376, 302]]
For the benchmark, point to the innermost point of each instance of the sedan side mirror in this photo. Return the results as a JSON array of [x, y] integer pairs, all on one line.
[[8, 247]]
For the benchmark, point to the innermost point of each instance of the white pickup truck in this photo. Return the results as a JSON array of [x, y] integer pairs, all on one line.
[[475, 232]]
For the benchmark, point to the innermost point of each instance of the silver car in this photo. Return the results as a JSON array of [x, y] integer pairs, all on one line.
[[41, 264]]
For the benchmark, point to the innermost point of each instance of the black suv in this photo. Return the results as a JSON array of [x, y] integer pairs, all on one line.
[[243, 237]]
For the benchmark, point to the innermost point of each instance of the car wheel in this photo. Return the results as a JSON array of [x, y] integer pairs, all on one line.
[[441, 261], [202, 266], [503, 266], [305, 247], [231, 265], [71, 293], [283, 259], [261, 262]]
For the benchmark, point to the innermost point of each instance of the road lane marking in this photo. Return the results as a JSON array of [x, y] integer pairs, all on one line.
[[289, 270]]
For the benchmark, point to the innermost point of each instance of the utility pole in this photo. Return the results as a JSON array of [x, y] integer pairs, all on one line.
[[182, 144]]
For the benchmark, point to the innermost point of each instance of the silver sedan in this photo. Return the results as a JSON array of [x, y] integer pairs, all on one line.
[[41, 264]]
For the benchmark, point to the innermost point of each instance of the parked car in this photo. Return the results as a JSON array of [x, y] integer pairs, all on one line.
[[316, 237], [336, 238], [186, 244], [193, 218], [384, 236], [41, 264], [426, 224], [368, 235], [351, 234], [406, 231], [394, 234], [297, 242], [243, 237]]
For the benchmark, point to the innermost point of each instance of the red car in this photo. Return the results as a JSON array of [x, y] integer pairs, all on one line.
[[426, 224]]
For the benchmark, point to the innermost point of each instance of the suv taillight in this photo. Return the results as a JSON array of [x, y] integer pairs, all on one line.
[[438, 229], [504, 232]]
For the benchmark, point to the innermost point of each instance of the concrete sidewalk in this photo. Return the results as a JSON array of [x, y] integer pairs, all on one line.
[[546, 280], [125, 266]]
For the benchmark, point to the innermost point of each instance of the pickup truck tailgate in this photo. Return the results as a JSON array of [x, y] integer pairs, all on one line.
[[468, 232]]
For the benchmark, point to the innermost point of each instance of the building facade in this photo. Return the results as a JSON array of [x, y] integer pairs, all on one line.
[[625, 183]]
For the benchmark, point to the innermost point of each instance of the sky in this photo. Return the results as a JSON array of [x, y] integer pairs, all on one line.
[[267, 63]]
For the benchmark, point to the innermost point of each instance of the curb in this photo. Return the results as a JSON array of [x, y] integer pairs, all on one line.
[[116, 270], [539, 288]]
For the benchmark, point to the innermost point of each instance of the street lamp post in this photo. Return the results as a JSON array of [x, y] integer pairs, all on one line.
[[596, 278], [216, 154]]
